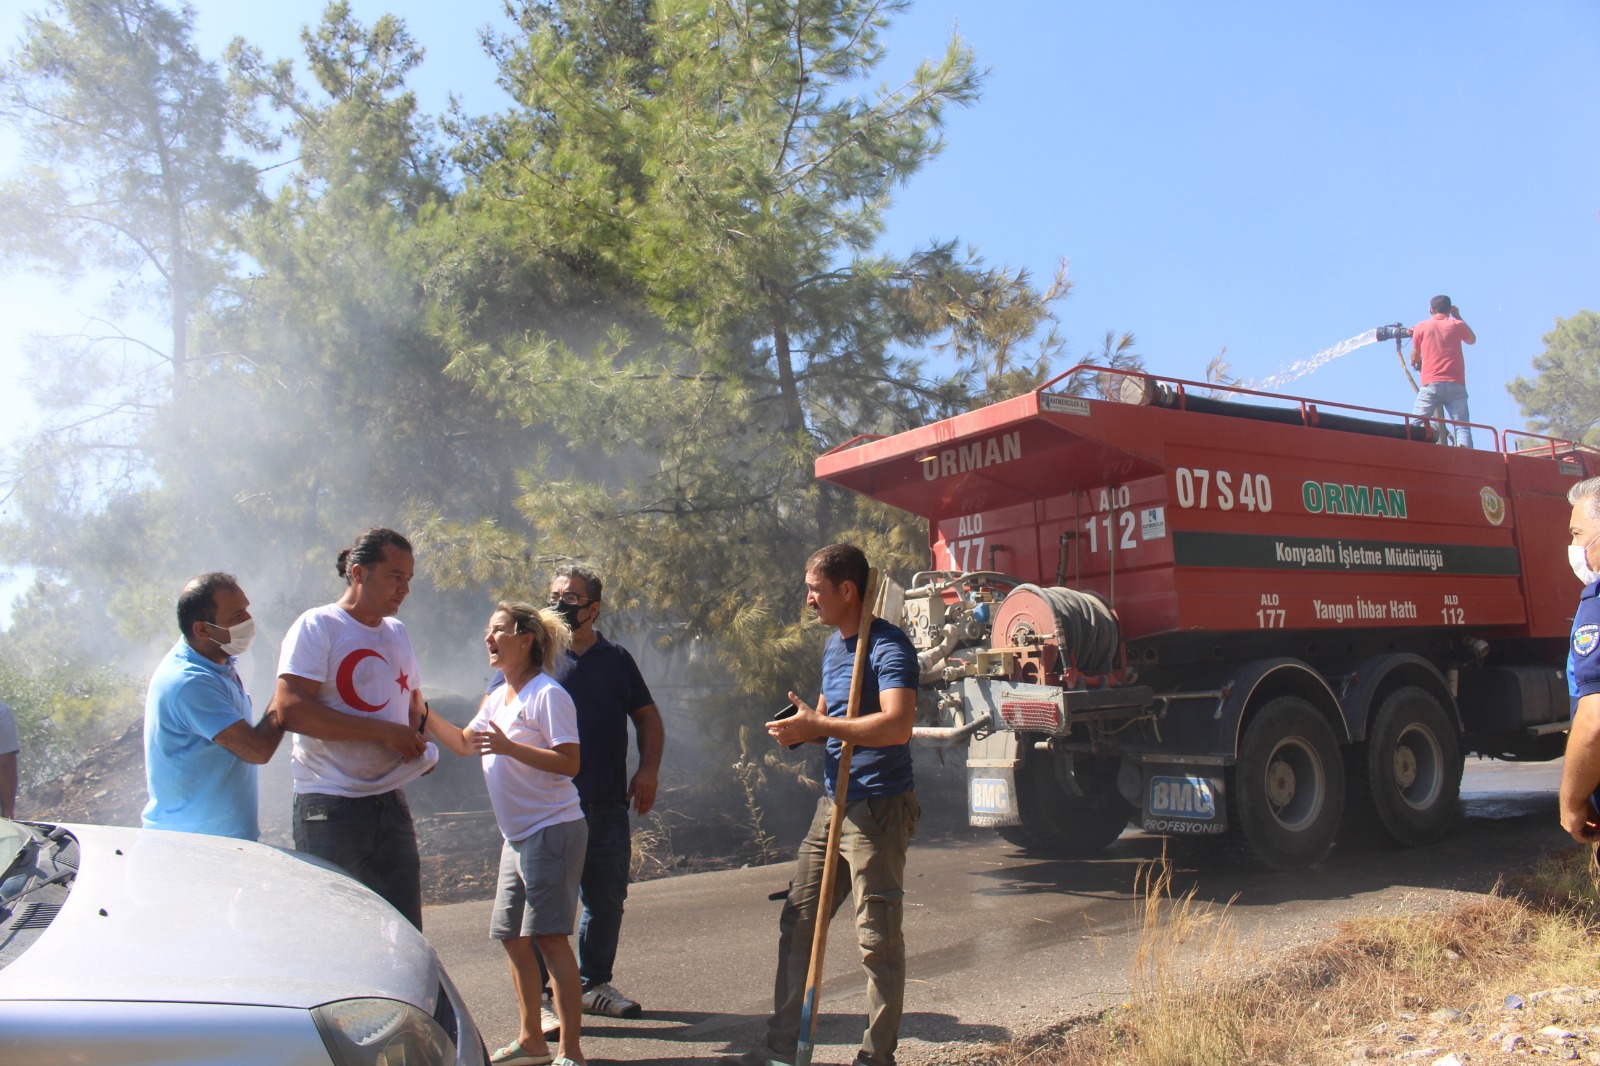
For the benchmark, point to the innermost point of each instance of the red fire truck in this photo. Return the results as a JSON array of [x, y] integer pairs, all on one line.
[[1212, 610]]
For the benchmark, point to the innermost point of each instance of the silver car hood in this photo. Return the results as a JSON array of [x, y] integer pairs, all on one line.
[[156, 916]]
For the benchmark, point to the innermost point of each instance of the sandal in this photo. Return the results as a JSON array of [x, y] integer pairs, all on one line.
[[513, 1055]]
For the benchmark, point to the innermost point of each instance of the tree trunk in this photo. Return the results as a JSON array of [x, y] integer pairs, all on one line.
[[794, 419], [180, 321]]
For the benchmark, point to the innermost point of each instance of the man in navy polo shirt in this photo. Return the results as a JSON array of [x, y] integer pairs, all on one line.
[[1581, 776], [880, 810], [609, 693]]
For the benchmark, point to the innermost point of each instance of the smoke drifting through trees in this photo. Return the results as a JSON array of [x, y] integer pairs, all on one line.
[[615, 322]]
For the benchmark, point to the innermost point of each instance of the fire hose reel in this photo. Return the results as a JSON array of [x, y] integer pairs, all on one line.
[[1055, 630]]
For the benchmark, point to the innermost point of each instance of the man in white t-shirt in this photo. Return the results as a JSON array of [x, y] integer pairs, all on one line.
[[349, 689]]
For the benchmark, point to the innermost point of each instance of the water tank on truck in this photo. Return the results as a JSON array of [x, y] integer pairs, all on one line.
[[1220, 612]]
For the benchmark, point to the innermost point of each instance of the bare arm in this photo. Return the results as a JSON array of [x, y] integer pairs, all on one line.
[[253, 743], [897, 712], [561, 759], [301, 712], [8, 784], [1581, 774], [652, 738], [458, 739]]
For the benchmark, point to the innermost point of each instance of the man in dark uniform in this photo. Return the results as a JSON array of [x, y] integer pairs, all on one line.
[[1581, 776]]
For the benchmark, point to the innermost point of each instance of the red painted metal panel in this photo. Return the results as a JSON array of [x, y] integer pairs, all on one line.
[[1192, 521], [1541, 514]]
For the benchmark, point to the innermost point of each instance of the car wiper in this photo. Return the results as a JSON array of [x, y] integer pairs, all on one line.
[[6, 902], [26, 850], [20, 874], [22, 877]]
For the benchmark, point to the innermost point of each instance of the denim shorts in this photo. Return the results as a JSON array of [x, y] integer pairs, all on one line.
[[539, 876]]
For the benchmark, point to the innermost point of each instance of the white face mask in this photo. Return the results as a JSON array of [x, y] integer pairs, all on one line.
[[239, 636], [1578, 556]]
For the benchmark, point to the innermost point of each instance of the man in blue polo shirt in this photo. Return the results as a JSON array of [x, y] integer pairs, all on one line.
[[1581, 775], [880, 810], [609, 693], [200, 747]]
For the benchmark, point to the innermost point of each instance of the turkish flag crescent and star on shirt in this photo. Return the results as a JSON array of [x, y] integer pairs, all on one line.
[[360, 670]]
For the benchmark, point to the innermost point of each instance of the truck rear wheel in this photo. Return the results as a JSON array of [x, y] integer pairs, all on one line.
[[1289, 784], [1408, 774], [1055, 821]]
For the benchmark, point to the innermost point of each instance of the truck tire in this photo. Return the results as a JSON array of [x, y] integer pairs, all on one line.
[[1055, 822], [1408, 774], [1288, 786]]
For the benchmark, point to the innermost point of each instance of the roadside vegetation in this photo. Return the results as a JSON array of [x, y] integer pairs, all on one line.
[[1507, 978], [63, 711]]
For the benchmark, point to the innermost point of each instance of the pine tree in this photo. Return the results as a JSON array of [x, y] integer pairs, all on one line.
[[723, 165], [127, 132], [1563, 398]]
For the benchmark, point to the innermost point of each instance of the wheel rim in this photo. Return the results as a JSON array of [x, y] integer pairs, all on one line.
[[1294, 784], [1418, 767]]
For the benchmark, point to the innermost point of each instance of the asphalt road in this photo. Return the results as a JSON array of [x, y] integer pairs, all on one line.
[[999, 943]]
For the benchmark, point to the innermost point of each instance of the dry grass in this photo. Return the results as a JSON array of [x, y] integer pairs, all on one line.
[[748, 771], [1406, 989], [653, 855]]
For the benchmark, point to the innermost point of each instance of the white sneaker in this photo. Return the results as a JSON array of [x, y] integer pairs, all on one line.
[[548, 1020], [606, 1001]]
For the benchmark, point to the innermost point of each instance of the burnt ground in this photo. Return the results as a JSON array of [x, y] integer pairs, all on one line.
[[703, 821]]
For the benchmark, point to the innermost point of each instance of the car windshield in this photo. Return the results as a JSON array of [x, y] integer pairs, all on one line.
[[12, 838]]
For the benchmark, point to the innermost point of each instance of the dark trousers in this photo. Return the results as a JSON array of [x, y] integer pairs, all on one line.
[[604, 891], [369, 837]]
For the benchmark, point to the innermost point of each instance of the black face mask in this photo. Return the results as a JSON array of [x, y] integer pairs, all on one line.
[[568, 612]]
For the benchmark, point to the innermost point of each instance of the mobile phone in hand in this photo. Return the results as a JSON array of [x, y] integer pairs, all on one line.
[[788, 710]]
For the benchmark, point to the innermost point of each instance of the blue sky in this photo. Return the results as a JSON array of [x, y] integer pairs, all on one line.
[[1268, 178]]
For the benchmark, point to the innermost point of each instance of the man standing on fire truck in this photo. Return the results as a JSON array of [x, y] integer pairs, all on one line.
[[1436, 351], [1581, 776]]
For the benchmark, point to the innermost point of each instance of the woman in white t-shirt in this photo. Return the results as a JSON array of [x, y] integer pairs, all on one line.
[[527, 732]]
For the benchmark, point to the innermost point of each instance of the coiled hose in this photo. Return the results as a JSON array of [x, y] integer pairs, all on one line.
[[1086, 631]]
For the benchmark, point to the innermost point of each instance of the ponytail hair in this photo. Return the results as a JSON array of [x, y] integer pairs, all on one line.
[[551, 637], [368, 550]]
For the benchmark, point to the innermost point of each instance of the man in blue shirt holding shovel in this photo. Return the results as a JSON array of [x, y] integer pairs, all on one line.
[[880, 813]]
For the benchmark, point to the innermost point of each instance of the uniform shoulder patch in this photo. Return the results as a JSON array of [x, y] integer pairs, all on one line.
[[1585, 638]]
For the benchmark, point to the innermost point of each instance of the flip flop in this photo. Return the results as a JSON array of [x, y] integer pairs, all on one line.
[[513, 1055]]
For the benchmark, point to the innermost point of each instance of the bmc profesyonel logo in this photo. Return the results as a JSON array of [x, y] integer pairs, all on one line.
[[1494, 507], [1584, 639], [1182, 797]]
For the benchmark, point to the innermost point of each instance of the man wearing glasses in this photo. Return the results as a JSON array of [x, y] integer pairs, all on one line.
[[608, 691]]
